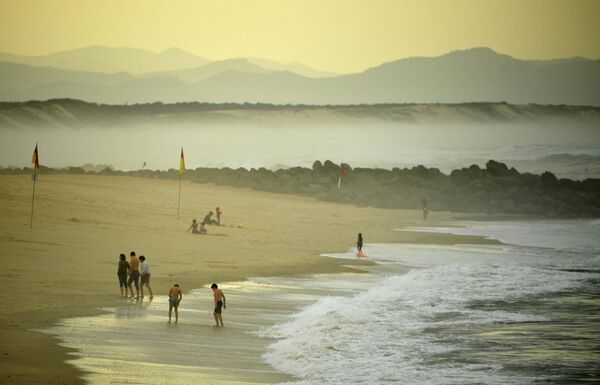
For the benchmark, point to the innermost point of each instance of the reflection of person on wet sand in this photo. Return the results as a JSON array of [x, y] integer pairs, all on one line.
[[195, 229], [219, 298], [175, 297]]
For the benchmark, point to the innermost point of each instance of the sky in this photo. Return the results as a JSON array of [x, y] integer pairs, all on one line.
[[334, 35]]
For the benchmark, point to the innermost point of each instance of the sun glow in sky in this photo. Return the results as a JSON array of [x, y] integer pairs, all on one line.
[[334, 35]]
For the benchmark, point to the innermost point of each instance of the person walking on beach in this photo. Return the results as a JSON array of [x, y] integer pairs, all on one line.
[[145, 275], [218, 212], [359, 243], [425, 209], [122, 274], [219, 299], [175, 297], [134, 275]]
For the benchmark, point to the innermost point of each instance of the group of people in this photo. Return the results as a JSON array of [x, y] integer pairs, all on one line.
[[200, 228], [131, 272]]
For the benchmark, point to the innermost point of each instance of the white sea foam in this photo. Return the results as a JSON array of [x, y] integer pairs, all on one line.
[[408, 327]]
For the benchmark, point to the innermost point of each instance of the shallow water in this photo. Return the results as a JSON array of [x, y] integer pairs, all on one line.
[[508, 314], [425, 314]]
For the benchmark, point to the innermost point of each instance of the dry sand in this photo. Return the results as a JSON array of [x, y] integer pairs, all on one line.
[[66, 265]]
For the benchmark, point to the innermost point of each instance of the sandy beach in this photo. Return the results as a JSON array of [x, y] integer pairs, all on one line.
[[66, 265]]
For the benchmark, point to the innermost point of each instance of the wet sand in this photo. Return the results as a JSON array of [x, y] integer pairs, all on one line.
[[66, 265]]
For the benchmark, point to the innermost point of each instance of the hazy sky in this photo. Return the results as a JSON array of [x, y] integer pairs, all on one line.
[[335, 35]]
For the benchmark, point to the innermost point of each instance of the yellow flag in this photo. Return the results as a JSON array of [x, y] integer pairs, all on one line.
[[181, 162]]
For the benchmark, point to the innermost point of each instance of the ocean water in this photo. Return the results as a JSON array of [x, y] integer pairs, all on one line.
[[526, 312], [523, 313]]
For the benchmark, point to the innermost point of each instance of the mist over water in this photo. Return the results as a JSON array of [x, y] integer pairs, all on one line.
[[273, 146]]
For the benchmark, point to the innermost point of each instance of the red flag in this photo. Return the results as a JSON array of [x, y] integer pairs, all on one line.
[[36, 158], [342, 175]]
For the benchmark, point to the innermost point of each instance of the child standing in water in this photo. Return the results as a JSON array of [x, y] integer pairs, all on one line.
[[219, 298], [175, 297]]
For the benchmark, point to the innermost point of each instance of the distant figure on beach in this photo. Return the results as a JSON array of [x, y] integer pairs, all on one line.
[[219, 298], [145, 275], [425, 209], [175, 297], [122, 272], [134, 275], [359, 243], [219, 212], [208, 219], [195, 229]]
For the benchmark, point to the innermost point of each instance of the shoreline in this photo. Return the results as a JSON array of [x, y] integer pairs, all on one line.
[[63, 268]]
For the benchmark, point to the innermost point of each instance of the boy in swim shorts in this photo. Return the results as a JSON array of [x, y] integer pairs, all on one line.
[[219, 298], [175, 297]]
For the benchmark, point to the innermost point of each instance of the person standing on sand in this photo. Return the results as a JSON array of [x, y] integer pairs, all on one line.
[[425, 209], [219, 212], [219, 299], [134, 275], [122, 274], [359, 243], [175, 297], [145, 275]]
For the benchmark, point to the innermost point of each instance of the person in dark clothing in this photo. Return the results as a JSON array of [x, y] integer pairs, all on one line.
[[208, 219], [122, 272], [359, 243]]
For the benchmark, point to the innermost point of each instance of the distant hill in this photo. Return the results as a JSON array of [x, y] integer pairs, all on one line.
[[111, 59], [77, 113], [475, 75], [141, 62]]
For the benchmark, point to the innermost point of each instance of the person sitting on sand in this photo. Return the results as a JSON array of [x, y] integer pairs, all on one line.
[[134, 275], [195, 229], [218, 212], [202, 229], [145, 275], [175, 297], [208, 219], [122, 272], [219, 299]]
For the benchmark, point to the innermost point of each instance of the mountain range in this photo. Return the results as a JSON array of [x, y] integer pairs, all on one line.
[[123, 75]]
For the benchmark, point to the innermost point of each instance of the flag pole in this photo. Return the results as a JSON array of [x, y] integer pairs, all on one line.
[[181, 171], [33, 195], [179, 198], [36, 164], [338, 188]]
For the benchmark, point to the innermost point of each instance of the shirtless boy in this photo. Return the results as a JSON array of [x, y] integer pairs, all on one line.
[[175, 297], [134, 275], [219, 298]]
